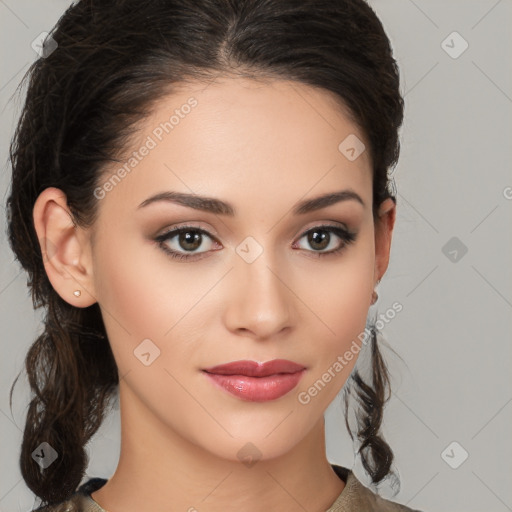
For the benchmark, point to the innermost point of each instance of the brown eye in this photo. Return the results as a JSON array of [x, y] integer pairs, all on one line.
[[188, 240], [320, 238]]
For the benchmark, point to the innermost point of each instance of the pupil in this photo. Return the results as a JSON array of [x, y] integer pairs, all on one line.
[[188, 241], [323, 237]]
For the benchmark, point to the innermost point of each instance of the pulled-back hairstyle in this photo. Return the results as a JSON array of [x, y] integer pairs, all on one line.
[[114, 60]]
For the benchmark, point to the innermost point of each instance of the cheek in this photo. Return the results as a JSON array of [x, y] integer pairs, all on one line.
[[127, 297], [341, 307], [341, 292], [143, 296]]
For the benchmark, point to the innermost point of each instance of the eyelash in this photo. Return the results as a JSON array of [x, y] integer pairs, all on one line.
[[346, 236]]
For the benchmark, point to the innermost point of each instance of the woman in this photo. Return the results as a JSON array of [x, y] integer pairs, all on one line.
[[201, 199]]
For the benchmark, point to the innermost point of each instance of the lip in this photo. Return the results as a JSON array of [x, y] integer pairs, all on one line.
[[254, 369], [256, 382]]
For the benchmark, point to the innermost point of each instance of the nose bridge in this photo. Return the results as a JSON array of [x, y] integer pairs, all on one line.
[[261, 301]]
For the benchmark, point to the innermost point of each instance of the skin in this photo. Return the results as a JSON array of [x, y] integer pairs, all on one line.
[[261, 146]]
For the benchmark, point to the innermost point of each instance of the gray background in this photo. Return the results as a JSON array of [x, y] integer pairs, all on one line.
[[454, 191]]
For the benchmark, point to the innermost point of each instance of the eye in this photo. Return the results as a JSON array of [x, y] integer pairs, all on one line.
[[188, 238], [320, 238]]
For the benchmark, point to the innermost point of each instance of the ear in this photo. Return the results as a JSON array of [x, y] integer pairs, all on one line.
[[383, 234], [65, 248]]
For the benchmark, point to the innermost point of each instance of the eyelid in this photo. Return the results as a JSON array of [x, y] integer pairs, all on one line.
[[324, 224], [210, 231]]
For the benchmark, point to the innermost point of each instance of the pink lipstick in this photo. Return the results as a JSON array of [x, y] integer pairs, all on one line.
[[255, 382]]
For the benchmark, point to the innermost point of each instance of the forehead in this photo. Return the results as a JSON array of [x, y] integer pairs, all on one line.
[[238, 138]]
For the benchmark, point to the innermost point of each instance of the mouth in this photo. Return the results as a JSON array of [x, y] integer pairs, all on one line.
[[255, 382]]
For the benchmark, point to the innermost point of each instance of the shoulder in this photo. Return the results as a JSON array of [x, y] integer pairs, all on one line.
[[356, 496], [78, 501]]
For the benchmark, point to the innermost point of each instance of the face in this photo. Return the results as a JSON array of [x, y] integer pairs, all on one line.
[[251, 279]]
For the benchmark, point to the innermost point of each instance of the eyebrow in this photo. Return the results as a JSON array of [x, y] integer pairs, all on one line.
[[217, 206]]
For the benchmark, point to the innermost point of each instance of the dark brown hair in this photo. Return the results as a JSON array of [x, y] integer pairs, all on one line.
[[114, 60]]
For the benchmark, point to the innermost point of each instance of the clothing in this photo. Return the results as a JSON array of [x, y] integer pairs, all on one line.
[[354, 497]]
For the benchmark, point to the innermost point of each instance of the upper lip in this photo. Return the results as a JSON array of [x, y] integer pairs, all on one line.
[[254, 369]]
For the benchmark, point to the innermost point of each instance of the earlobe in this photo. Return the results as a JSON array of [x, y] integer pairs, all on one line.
[[65, 256]]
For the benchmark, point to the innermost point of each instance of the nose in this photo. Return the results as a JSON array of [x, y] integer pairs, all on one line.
[[259, 302]]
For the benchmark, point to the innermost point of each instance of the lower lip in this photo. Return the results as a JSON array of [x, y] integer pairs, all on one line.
[[257, 389]]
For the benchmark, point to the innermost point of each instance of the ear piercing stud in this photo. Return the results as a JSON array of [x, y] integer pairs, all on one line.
[[77, 293]]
